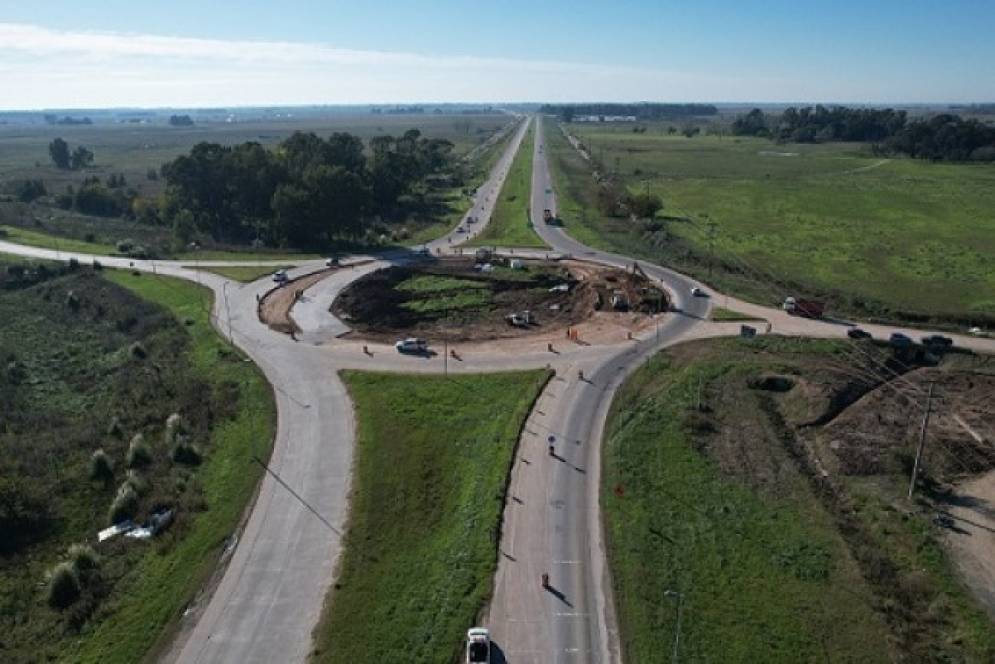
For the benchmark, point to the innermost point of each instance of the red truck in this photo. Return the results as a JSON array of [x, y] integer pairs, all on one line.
[[807, 308]]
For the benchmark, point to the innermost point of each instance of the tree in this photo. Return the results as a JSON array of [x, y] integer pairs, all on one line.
[[81, 158], [59, 151], [644, 205]]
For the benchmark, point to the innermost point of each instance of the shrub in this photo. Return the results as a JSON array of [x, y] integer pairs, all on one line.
[[83, 558], [186, 452], [138, 351], [125, 504], [63, 586], [137, 482], [139, 452], [124, 246], [114, 428], [100, 467], [72, 301], [97, 266]]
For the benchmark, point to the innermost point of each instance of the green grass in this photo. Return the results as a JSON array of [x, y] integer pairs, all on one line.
[[433, 459], [715, 504], [244, 274], [439, 294], [44, 240], [510, 224], [76, 367], [431, 283], [162, 584], [721, 314], [897, 238]]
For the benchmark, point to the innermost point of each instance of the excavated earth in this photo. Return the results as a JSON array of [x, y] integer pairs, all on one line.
[[381, 307]]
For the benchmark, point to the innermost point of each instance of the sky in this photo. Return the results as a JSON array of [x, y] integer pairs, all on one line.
[[187, 53]]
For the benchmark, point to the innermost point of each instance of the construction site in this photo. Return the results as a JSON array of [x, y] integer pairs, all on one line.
[[468, 299]]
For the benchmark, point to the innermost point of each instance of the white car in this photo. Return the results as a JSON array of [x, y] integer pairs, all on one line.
[[697, 292], [331, 262], [478, 646], [280, 277], [977, 332], [411, 345]]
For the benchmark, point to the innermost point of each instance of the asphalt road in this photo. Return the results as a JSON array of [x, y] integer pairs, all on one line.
[[271, 592]]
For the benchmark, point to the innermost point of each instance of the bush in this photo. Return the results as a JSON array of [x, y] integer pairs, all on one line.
[[63, 586], [137, 482], [186, 452], [139, 452], [114, 428], [124, 246], [101, 468], [83, 558], [125, 504], [138, 351]]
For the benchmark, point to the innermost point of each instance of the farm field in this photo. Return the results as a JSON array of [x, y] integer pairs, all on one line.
[[433, 460], [133, 149], [509, 225], [888, 238], [65, 332], [709, 490]]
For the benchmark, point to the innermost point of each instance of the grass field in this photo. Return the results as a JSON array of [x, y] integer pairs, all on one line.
[[510, 225], [244, 274], [421, 549], [84, 344], [896, 238], [722, 314], [36, 239], [706, 494], [134, 149]]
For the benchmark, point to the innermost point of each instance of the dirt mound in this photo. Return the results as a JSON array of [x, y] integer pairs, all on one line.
[[876, 434], [462, 301]]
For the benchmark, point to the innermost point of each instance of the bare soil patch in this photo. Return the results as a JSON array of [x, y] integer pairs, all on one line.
[[456, 299], [275, 306]]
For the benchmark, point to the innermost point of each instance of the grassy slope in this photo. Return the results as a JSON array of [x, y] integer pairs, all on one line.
[[36, 239], [165, 583], [903, 235], [764, 568], [432, 465], [509, 225]]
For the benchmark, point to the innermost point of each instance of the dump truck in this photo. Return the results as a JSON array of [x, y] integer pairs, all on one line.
[[806, 308]]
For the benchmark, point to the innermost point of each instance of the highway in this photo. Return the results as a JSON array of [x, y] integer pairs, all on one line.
[[269, 594]]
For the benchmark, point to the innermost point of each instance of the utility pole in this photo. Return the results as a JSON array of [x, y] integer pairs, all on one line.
[[922, 440]]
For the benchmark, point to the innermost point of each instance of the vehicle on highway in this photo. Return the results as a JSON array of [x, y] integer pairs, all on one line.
[[697, 292], [857, 333], [977, 332], [899, 340], [331, 262], [478, 646], [461, 230], [411, 345], [280, 277], [520, 318], [806, 308]]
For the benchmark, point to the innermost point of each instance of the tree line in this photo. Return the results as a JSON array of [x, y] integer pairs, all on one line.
[[68, 160], [645, 111], [305, 193], [940, 137]]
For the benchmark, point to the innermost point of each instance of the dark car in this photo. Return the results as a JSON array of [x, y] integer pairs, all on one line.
[[938, 341], [899, 340], [857, 333]]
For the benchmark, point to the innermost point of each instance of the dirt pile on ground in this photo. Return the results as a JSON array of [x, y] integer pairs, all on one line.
[[878, 433], [460, 300]]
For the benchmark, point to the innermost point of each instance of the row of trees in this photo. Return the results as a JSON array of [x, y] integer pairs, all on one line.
[[65, 159], [306, 192], [646, 111], [942, 136]]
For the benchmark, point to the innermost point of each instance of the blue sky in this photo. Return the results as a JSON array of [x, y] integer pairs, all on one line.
[[182, 52]]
